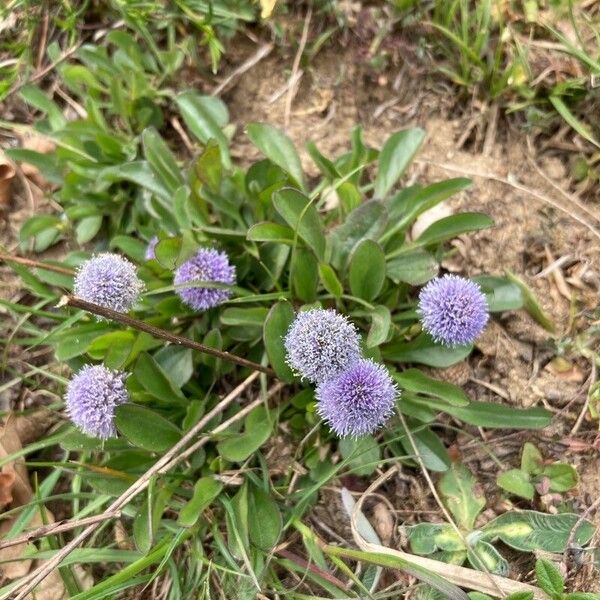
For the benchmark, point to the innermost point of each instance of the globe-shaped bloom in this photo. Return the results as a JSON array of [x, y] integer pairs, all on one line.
[[207, 265], [91, 398], [149, 254], [359, 400], [320, 344], [453, 310], [110, 281]]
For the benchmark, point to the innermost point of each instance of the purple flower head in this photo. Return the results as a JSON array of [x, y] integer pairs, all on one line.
[[110, 281], [320, 344], [453, 310], [359, 400], [92, 396], [206, 265], [149, 255]]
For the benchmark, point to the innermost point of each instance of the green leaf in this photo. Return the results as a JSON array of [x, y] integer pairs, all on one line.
[[520, 596], [381, 322], [562, 477], [277, 147], [581, 128], [409, 203], [276, 326], [414, 380], [516, 482], [549, 578], [209, 167], [178, 362], [147, 521], [362, 455], [145, 428], [168, 251], [330, 280], [484, 556], [425, 351], [426, 538], [87, 229], [501, 294], [139, 172], [271, 232], [265, 524], [498, 416], [305, 275], [38, 99], [396, 154], [326, 167], [450, 227], [206, 489], [161, 159], [302, 216], [431, 450], [257, 429], [367, 270], [529, 531], [154, 380], [531, 304], [365, 222], [532, 461], [132, 247], [414, 267], [205, 116], [462, 496]]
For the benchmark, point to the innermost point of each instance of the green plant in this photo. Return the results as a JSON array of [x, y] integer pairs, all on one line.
[[526, 531], [535, 475]]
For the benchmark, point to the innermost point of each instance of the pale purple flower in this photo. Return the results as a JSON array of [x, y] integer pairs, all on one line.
[[149, 255], [206, 265], [321, 343], [110, 281], [91, 398], [453, 310], [359, 400]]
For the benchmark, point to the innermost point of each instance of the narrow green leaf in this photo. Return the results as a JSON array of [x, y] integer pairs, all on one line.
[[276, 326], [154, 380], [396, 154], [264, 528], [206, 489], [205, 116], [367, 270], [531, 304], [416, 381], [381, 322], [330, 280], [161, 159], [453, 226], [277, 147], [302, 216]]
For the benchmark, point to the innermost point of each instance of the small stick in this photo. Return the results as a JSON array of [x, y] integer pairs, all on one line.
[[163, 334], [172, 457], [263, 51], [36, 264], [58, 527], [294, 78]]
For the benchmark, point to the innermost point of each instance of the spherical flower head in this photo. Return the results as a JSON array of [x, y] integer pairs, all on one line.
[[320, 344], [453, 310], [208, 265], [91, 398], [359, 400], [110, 281], [150, 255]]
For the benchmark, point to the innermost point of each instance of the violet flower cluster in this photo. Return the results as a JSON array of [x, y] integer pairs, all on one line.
[[355, 396], [453, 310], [92, 396], [207, 265], [110, 281]]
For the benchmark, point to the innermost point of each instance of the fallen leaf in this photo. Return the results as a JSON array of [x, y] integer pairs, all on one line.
[[33, 426], [7, 175], [383, 521], [267, 7]]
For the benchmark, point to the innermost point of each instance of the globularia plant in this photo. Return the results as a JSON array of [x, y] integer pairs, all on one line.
[[316, 284]]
